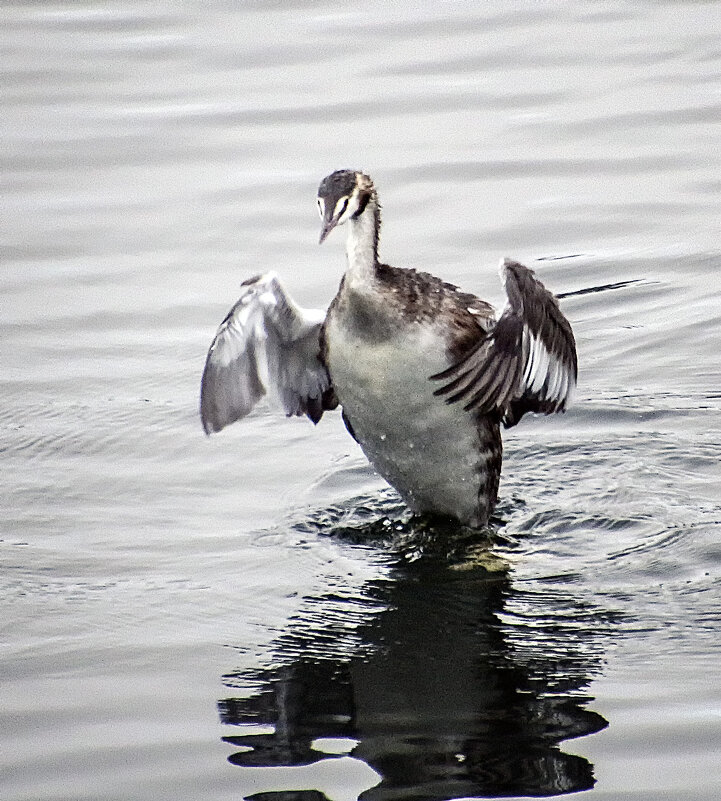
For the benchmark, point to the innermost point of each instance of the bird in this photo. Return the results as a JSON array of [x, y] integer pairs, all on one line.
[[425, 373]]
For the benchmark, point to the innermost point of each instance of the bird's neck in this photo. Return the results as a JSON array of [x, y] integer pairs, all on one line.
[[362, 245]]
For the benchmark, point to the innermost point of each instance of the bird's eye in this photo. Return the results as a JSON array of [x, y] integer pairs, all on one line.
[[321, 207]]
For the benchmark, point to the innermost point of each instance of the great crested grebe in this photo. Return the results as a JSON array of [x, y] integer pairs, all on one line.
[[424, 373]]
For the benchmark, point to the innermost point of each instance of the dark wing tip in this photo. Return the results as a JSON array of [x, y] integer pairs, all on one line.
[[316, 406]]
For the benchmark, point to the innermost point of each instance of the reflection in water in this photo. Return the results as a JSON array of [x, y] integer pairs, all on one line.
[[461, 685], [590, 290]]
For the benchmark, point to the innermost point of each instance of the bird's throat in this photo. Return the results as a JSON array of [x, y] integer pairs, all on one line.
[[362, 246]]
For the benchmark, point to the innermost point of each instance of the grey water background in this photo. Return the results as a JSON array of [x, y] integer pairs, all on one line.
[[241, 616]]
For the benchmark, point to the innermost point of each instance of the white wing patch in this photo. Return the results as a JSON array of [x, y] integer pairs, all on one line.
[[266, 345], [544, 374]]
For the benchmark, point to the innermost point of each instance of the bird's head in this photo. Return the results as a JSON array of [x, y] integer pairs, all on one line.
[[342, 195]]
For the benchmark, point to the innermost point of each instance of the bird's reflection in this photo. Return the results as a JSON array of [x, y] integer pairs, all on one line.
[[458, 684]]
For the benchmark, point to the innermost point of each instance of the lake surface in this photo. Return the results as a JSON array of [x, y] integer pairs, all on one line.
[[251, 615]]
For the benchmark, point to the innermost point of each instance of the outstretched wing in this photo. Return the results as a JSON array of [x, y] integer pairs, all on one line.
[[265, 344], [527, 361]]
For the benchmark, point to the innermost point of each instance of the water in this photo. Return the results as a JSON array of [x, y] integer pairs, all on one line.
[[250, 615]]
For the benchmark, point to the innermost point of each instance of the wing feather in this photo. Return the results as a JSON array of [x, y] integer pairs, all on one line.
[[526, 363], [266, 344]]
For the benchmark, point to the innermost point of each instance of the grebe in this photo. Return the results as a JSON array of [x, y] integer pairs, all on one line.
[[424, 373]]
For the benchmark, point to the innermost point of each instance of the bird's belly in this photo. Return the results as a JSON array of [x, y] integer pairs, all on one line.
[[435, 455]]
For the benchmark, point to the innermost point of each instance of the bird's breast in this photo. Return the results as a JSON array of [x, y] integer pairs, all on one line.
[[427, 449]]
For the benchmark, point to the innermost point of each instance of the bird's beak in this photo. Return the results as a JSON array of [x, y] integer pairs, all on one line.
[[329, 223]]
